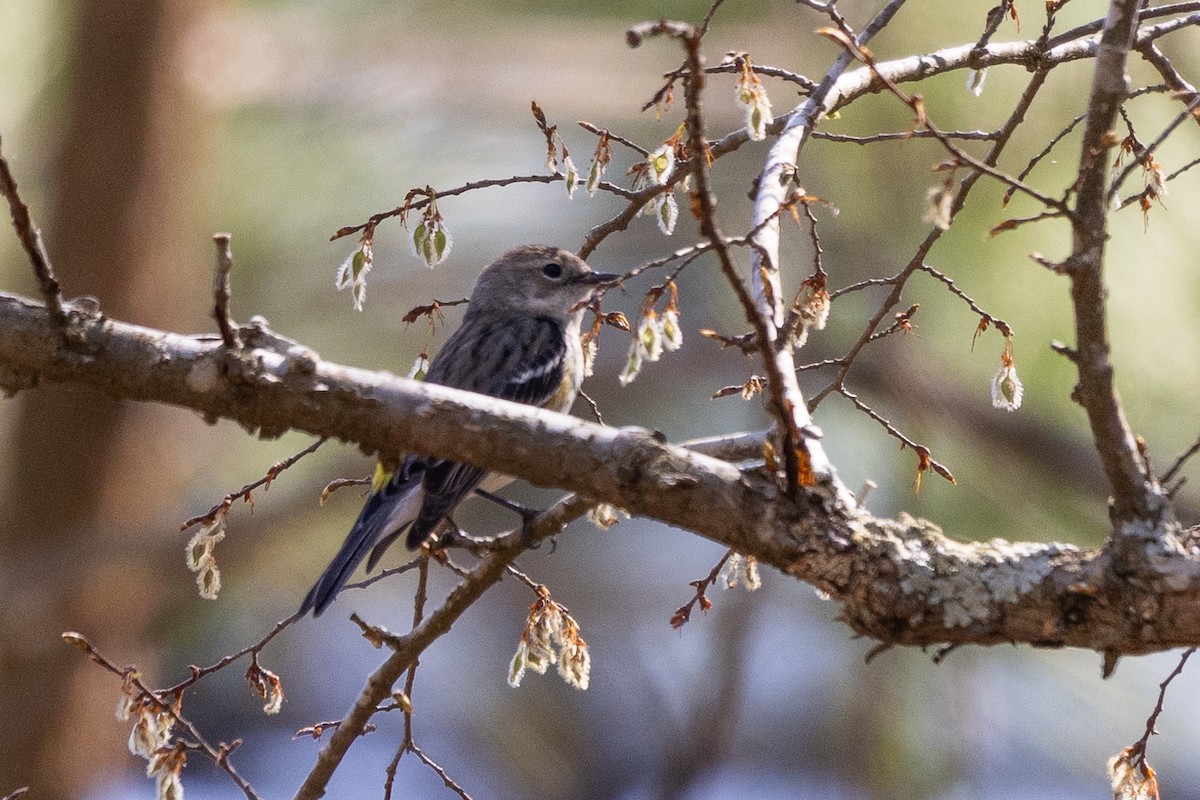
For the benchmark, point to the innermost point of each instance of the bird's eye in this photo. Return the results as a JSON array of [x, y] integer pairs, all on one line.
[[552, 271]]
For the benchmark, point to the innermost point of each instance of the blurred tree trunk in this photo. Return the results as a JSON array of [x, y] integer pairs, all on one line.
[[83, 538]]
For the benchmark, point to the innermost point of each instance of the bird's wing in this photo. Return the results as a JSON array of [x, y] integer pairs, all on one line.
[[394, 502], [527, 365]]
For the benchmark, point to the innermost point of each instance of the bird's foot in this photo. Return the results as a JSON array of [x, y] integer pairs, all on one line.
[[527, 514]]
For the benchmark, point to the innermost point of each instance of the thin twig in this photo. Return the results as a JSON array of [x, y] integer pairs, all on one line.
[[898, 281], [1058, 137], [864, 284], [410, 646], [1154, 12], [1179, 462], [806, 84], [706, 201], [684, 612], [1000, 324], [904, 136], [441, 773], [408, 743], [254, 650], [923, 452], [229, 334], [590, 128], [487, 183], [246, 491], [1138, 750], [903, 323], [31, 240], [917, 104], [1045, 151], [1173, 80], [383, 575], [219, 754], [1144, 157]]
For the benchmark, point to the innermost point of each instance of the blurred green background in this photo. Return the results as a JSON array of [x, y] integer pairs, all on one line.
[[138, 128]]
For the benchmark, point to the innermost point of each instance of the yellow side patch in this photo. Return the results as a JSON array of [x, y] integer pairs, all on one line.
[[382, 476]]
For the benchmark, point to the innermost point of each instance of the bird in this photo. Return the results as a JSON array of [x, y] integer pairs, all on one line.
[[519, 340]]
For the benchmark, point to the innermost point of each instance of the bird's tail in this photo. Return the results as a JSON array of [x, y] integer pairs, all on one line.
[[393, 504]]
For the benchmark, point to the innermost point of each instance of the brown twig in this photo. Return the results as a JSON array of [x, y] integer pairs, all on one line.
[[1000, 324], [246, 491], [252, 650], [408, 648], [926, 461], [590, 128], [1145, 156], [995, 17], [1138, 750], [898, 281], [904, 136], [1143, 14], [487, 183], [432, 310], [31, 240], [1045, 151], [1173, 470], [684, 612], [1072, 46], [441, 773], [706, 202], [960, 156], [383, 575], [317, 729], [1134, 494], [229, 334], [408, 743], [219, 754], [1058, 137], [903, 322]]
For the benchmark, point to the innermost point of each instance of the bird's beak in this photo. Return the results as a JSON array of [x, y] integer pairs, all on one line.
[[599, 279]]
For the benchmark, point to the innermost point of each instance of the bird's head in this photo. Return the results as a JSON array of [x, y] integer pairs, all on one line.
[[538, 279]]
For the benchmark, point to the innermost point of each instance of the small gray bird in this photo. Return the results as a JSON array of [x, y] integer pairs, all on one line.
[[519, 341]]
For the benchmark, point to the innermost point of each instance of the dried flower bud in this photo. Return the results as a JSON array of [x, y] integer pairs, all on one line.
[[420, 368], [672, 334], [353, 273], [938, 203], [201, 560], [666, 212], [600, 160], [429, 240], [571, 176], [649, 336], [633, 363], [661, 163], [551, 636], [975, 81], [1007, 391], [753, 97]]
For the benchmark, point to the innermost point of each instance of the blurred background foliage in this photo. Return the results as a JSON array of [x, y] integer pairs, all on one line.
[[138, 128]]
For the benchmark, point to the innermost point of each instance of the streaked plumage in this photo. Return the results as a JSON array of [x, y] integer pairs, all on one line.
[[519, 341]]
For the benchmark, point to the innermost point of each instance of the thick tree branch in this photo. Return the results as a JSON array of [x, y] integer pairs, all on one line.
[[901, 581]]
